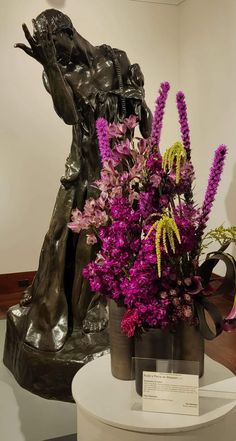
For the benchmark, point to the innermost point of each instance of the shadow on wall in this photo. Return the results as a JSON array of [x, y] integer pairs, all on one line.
[[57, 3], [230, 204]]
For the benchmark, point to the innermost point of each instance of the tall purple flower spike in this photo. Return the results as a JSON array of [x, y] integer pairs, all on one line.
[[183, 120], [159, 113], [103, 139], [213, 182]]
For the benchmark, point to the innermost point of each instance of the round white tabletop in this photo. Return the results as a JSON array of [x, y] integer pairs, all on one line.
[[104, 406]]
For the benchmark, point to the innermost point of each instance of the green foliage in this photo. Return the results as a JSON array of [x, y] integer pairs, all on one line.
[[221, 235]]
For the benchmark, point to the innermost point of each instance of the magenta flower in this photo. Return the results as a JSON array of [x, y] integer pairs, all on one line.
[[158, 114], [155, 180], [130, 321], [230, 320], [103, 139], [183, 120], [212, 186], [133, 192]]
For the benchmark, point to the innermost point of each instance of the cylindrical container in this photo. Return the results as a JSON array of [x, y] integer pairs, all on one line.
[[184, 344], [152, 345], [121, 346], [189, 346]]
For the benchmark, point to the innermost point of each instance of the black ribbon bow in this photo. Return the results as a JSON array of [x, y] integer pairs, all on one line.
[[227, 286]]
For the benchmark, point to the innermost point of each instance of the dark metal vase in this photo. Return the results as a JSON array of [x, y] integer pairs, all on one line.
[[189, 346], [186, 344], [150, 346], [122, 347]]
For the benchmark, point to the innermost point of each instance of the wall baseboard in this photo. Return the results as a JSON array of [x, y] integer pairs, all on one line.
[[15, 282]]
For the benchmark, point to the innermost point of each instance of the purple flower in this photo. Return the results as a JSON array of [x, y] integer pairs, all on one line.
[[103, 139], [183, 120], [158, 114], [155, 180], [154, 163], [164, 201], [145, 202], [212, 186], [186, 217], [186, 178], [134, 192]]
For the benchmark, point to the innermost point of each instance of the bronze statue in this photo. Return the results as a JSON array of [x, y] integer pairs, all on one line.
[[85, 82]]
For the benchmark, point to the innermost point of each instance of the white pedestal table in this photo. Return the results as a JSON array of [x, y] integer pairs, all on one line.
[[104, 409]]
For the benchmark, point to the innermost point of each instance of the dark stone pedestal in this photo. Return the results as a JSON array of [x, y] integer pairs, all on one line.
[[49, 374]]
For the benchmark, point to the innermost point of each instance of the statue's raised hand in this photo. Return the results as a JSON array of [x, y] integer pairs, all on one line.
[[42, 47]]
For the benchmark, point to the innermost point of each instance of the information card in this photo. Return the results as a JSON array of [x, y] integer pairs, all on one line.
[[170, 393]]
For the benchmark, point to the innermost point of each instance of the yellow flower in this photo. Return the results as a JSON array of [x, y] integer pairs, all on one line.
[[165, 227], [175, 153]]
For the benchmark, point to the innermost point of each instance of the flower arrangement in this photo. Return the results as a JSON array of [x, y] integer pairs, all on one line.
[[149, 228]]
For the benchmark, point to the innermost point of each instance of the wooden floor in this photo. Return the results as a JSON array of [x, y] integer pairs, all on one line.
[[7, 300], [222, 349]]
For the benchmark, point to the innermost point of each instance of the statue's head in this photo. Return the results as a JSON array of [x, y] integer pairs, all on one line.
[[56, 20], [62, 31]]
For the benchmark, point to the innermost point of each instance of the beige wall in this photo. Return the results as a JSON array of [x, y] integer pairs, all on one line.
[[192, 45], [207, 73], [34, 141]]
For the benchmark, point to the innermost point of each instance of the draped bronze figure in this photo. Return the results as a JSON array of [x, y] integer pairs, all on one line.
[[60, 322]]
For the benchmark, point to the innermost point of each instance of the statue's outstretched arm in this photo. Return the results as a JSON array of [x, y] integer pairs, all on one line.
[[43, 50]]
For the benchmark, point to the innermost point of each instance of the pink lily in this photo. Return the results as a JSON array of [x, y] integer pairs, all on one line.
[[91, 239], [76, 221], [123, 148], [116, 130], [142, 145], [131, 122], [133, 195], [74, 226]]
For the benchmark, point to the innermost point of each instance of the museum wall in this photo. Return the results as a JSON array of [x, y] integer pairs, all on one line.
[[207, 73], [34, 141], [192, 45]]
